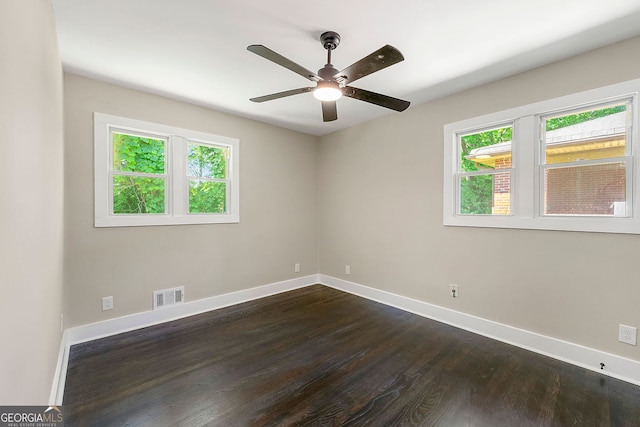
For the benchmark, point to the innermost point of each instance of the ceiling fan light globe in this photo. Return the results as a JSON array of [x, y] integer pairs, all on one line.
[[327, 93]]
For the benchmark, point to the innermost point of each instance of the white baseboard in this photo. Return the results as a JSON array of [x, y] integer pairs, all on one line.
[[92, 331], [131, 322], [614, 366], [59, 377]]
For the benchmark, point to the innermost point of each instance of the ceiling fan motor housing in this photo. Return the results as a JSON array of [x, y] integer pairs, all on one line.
[[327, 72]]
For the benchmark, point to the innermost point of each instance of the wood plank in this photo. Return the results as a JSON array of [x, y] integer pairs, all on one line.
[[319, 356]]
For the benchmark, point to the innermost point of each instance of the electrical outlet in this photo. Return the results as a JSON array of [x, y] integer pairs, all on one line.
[[627, 334], [347, 269], [107, 303], [296, 267], [454, 291]]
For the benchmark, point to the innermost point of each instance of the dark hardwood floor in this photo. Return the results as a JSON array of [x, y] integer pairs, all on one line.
[[320, 357]]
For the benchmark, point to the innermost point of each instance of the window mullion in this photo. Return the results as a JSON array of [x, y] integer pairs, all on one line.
[[524, 167], [630, 185], [202, 178], [180, 183], [579, 163], [485, 172], [140, 174]]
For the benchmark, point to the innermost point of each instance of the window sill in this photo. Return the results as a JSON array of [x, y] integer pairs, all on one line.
[[152, 220], [595, 224]]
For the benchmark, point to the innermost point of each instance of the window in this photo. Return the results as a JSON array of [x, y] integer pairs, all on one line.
[[208, 179], [151, 174], [484, 171], [561, 164], [139, 173], [586, 159]]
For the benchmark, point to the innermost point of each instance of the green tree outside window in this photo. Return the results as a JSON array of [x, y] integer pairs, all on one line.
[[136, 194]]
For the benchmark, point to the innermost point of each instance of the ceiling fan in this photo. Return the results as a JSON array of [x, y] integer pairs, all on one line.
[[332, 84]]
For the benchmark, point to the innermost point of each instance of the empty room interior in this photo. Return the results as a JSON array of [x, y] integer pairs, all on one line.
[[193, 235]]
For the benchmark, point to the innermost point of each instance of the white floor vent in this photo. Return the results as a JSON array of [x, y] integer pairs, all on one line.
[[168, 297]]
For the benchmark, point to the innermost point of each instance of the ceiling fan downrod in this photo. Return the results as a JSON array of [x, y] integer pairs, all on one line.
[[330, 40]]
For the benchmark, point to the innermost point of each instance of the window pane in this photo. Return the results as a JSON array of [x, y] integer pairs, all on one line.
[[138, 195], [598, 133], [490, 149], [485, 194], [205, 161], [207, 196], [133, 153], [586, 190]]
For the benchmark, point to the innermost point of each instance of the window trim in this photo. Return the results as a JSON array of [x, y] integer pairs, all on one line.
[[177, 202], [526, 166]]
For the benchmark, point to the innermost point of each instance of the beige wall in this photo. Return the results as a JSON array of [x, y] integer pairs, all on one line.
[[31, 197], [278, 219], [380, 199]]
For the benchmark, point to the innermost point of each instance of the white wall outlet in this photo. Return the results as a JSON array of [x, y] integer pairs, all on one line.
[[454, 291], [107, 303], [296, 267], [627, 334], [347, 269]]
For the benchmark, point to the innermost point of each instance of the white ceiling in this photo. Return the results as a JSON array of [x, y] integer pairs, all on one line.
[[195, 50]]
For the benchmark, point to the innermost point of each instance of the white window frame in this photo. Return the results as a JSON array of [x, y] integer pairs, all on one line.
[[177, 184], [527, 196]]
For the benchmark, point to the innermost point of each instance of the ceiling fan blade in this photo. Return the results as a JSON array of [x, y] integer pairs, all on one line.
[[376, 98], [272, 56], [381, 58], [329, 111], [282, 94]]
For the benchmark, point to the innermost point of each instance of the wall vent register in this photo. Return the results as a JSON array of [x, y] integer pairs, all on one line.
[[168, 297]]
